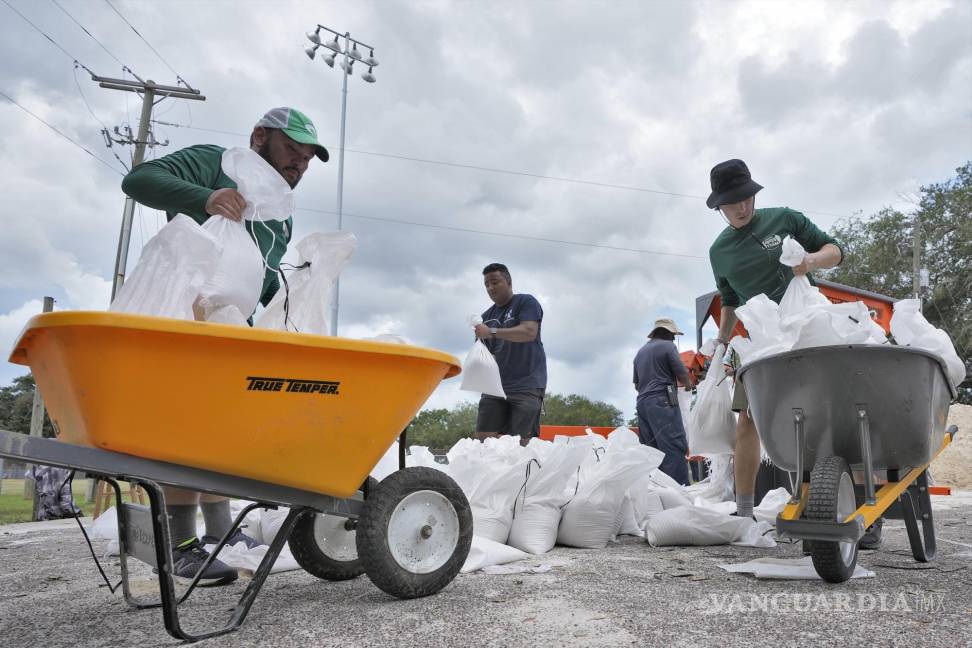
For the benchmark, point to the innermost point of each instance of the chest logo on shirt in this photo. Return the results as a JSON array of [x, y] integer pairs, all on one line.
[[508, 316], [771, 242]]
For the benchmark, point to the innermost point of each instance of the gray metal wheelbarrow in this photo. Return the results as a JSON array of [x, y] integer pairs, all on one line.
[[824, 413]]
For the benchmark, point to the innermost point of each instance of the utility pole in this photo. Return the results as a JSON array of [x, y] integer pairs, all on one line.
[[150, 92], [916, 258], [37, 424]]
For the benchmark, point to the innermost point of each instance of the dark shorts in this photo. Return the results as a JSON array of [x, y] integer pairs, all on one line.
[[518, 413]]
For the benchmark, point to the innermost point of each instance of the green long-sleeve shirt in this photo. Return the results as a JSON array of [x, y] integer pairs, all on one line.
[[181, 183], [746, 261]]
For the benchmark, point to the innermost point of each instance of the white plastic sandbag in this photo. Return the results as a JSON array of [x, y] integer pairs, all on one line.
[[238, 277], [537, 507], [303, 304], [713, 427], [491, 474], [267, 194], [694, 526], [480, 373], [910, 328], [172, 269], [800, 296], [591, 517], [485, 552]]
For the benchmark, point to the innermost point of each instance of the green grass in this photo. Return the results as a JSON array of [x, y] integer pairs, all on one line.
[[14, 507]]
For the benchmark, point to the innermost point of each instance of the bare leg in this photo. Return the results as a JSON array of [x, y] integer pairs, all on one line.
[[746, 460]]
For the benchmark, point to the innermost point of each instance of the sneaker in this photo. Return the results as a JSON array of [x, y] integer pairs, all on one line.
[[237, 537], [189, 557], [871, 540]]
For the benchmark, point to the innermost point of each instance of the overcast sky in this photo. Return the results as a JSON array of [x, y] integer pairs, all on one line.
[[838, 108]]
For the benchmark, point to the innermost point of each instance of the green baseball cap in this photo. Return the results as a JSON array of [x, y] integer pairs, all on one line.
[[297, 127]]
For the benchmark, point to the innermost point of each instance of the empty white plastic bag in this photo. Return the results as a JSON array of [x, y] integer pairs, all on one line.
[[303, 303], [172, 269], [713, 428]]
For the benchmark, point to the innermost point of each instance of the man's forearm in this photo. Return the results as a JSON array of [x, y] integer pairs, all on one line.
[[156, 188], [827, 257], [519, 333], [727, 321]]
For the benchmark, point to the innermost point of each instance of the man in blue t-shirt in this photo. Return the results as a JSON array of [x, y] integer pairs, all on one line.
[[511, 331]]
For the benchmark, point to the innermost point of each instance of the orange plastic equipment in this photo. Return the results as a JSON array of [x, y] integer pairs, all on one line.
[[306, 411]]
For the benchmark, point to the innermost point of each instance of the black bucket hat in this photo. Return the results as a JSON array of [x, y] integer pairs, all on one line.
[[731, 183]]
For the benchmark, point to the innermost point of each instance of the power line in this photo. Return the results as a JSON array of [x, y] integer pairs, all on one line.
[[527, 174], [155, 51], [85, 30], [503, 235], [80, 146]]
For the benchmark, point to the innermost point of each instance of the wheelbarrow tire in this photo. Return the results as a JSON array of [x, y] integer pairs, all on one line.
[[336, 560], [831, 501], [415, 532]]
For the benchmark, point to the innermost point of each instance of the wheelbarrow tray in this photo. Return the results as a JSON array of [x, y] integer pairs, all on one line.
[[305, 411], [904, 392]]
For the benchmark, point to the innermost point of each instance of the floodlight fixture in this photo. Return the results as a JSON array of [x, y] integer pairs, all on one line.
[[334, 45], [311, 51], [354, 53], [371, 61], [329, 59], [368, 76], [348, 66], [314, 36]]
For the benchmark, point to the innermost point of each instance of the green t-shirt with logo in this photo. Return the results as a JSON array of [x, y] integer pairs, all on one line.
[[181, 183], [746, 261]]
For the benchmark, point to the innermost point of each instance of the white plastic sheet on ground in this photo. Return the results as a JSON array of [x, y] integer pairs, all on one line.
[[910, 328], [786, 569], [712, 426], [485, 552], [170, 272], [480, 373], [591, 518], [303, 304]]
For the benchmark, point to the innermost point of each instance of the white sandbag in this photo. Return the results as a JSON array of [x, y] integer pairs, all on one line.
[[303, 304], [694, 526], [590, 519], [761, 317], [171, 270], [641, 501], [537, 509], [712, 428], [772, 504], [491, 475], [387, 464], [910, 328], [480, 373], [800, 296], [270, 522], [485, 552], [422, 456], [267, 194], [756, 534], [227, 315], [238, 277]]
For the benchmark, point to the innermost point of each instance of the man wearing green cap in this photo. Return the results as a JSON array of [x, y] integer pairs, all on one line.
[[192, 182]]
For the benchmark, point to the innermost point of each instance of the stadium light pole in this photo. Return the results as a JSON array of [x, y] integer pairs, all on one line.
[[341, 45]]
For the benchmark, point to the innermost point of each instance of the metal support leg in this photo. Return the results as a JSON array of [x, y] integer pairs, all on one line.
[[864, 429], [800, 437], [402, 439], [915, 506]]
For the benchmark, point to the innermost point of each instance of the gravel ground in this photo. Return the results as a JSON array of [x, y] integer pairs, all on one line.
[[627, 594]]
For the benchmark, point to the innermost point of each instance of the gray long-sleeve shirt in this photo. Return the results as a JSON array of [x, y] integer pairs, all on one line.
[[656, 366]]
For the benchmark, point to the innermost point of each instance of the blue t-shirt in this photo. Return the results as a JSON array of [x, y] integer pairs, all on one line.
[[656, 366], [522, 365]]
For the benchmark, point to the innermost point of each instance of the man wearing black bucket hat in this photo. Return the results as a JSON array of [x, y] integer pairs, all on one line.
[[745, 260]]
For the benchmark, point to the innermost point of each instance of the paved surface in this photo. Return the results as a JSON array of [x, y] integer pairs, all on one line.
[[627, 594]]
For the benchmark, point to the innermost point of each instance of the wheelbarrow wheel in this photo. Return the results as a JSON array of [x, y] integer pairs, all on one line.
[[415, 532], [324, 545], [832, 499]]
